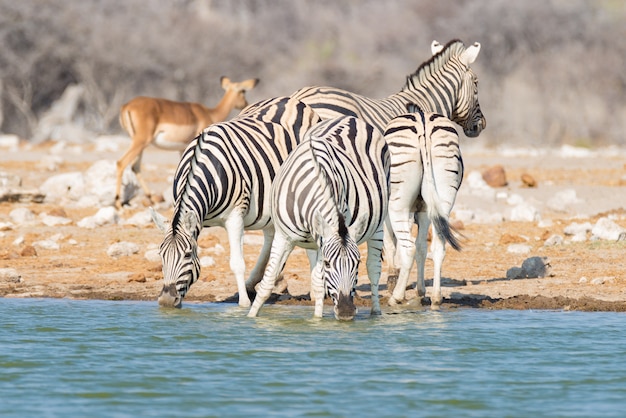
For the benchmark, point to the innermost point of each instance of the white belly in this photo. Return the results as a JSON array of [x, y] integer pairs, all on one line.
[[174, 137]]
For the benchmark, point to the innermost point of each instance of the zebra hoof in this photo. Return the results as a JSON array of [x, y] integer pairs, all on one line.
[[393, 301]]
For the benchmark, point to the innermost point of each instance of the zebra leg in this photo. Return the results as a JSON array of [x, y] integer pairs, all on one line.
[[421, 245], [317, 287], [374, 267], [402, 224], [234, 227], [281, 248], [439, 253], [389, 251], [259, 268]]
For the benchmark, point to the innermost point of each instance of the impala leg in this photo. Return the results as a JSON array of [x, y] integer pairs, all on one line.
[[281, 248], [259, 268], [136, 167], [234, 227], [421, 244], [374, 267], [132, 155]]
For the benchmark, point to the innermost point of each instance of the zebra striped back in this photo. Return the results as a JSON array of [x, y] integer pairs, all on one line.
[[224, 179], [331, 195], [444, 84], [426, 173]]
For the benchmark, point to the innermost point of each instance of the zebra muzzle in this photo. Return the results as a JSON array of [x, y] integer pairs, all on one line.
[[345, 310], [169, 297]]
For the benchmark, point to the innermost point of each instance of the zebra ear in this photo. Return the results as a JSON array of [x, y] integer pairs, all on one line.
[[321, 227], [159, 220], [190, 222], [436, 47], [470, 54]]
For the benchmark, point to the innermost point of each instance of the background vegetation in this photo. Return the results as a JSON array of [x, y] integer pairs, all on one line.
[[551, 71]]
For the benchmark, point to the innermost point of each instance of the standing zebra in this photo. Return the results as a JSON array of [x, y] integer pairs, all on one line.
[[224, 179], [329, 196], [444, 84], [426, 173]]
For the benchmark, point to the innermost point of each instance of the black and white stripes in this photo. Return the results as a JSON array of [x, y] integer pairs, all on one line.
[[329, 196], [444, 84], [426, 173], [224, 179]]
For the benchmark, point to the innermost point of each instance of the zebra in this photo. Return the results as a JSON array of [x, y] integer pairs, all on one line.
[[445, 84], [223, 179], [328, 197], [426, 173]]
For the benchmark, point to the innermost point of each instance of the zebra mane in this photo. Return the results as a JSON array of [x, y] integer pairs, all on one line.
[[434, 64], [343, 229]]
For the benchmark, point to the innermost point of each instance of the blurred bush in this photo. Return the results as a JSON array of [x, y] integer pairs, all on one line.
[[551, 71]]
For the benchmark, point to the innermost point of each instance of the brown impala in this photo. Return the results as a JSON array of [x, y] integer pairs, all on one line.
[[171, 125]]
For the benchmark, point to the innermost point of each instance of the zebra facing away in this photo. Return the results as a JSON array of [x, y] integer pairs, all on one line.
[[224, 179], [426, 173], [444, 84], [328, 197]]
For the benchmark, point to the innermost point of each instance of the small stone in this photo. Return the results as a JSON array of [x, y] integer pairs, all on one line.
[[122, 249], [518, 249], [553, 240], [528, 180], [495, 176], [9, 275], [137, 277], [28, 251]]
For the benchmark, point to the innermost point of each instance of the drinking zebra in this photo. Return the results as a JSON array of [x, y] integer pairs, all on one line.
[[426, 173], [224, 179], [444, 84], [328, 197]]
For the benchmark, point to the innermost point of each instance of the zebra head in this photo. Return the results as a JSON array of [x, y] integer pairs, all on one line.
[[179, 257], [467, 111], [340, 255]]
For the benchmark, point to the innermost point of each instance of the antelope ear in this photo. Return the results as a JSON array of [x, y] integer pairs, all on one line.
[[159, 220], [250, 84], [225, 82], [470, 54], [190, 222], [436, 47]]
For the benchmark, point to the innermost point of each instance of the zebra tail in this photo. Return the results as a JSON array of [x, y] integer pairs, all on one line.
[[438, 217]]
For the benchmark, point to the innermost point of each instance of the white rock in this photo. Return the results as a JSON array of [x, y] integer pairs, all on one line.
[[101, 178], [9, 141], [9, 180], [525, 213], [47, 244], [10, 275], [553, 240], [6, 226], [139, 219], [577, 228], [207, 261], [579, 237], [518, 248], [122, 249], [515, 199], [21, 216], [55, 220], [18, 241], [569, 151], [153, 255], [70, 185], [104, 216], [607, 229]]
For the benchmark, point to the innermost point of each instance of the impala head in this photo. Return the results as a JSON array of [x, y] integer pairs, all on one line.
[[179, 256], [467, 111], [341, 258], [239, 90]]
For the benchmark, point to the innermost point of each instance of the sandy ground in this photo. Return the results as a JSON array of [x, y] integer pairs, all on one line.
[[589, 275]]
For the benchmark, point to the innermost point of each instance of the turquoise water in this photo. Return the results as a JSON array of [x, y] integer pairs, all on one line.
[[127, 359]]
